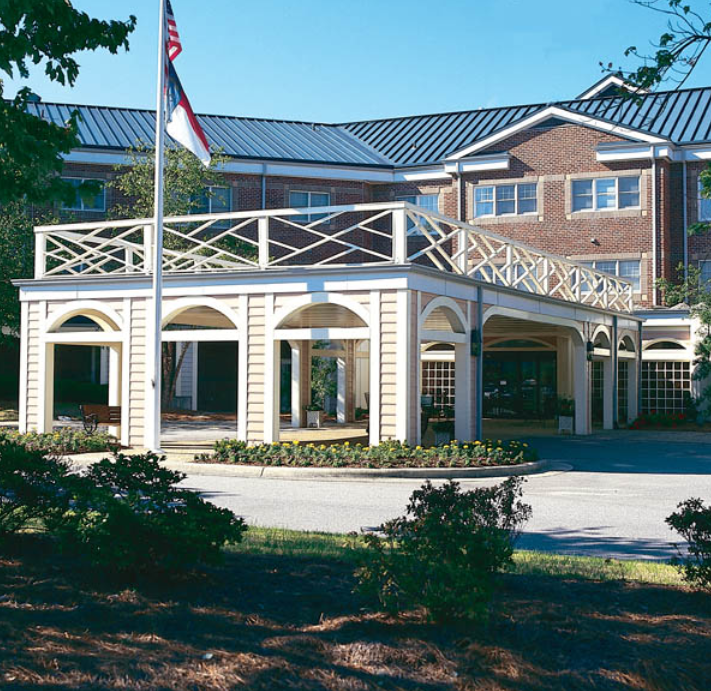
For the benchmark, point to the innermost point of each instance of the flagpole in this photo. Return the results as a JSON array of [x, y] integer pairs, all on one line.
[[155, 364]]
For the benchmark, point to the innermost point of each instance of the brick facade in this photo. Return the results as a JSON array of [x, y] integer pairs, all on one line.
[[552, 155]]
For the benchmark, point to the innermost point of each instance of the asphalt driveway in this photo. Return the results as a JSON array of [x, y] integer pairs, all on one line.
[[611, 502]]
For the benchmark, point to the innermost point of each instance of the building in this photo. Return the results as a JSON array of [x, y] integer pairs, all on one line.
[[610, 183]]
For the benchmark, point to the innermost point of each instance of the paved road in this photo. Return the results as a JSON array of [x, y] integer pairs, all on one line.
[[613, 503]]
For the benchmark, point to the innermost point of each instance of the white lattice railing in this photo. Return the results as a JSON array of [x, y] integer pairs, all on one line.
[[387, 233]]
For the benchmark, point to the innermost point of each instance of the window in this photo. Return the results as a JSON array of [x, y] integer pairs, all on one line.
[[705, 271], [704, 205], [664, 386], [84, 202], [428, 202], [505, 200], [605, 194], [214, 200], [299, 200], [628, 269]]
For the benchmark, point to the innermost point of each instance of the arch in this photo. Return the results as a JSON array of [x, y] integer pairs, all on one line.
[[657, 342], [514, 313], [297, 305], [535, 342], [601, 337], [181, 305], [451, 310], [628, 342], [104, 315]]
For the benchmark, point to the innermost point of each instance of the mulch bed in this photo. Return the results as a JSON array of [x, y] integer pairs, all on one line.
[[263, 622]]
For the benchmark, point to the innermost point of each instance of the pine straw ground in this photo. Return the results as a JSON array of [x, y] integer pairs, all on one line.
[[284, 616]]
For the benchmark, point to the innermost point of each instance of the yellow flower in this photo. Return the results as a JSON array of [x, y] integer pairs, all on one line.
[[296, 442], [418, 448], [525, 444], [322, 447], [347, 443], [446, 446], [466, 446]]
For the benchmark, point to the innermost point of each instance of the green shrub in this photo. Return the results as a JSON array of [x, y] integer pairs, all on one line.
[[62, 441], [389, 454], [32, 487], [130, 516], [692, 521], [444, 552]]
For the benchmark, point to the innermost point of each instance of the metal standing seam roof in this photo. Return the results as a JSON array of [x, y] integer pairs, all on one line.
[[682, 117]]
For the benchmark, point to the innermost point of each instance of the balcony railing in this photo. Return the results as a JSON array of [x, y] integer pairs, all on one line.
[[331, 236]]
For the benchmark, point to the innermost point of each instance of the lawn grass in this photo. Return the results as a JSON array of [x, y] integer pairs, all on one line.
[[282, 613], [350, 549]]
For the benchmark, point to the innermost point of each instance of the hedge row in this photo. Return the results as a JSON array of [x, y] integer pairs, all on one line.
[[390, 454]]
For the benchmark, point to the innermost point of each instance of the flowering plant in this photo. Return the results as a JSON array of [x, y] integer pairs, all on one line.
[[389, 454]]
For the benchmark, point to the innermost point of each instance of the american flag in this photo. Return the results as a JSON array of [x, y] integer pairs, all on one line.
[[174, 45]]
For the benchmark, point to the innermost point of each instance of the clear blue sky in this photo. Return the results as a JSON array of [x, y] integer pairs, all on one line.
[[333, 60]]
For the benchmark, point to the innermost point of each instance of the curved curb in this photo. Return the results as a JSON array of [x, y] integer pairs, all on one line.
[[316, 473]]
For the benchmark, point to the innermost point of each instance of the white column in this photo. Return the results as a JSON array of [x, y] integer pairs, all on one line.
[[632, 390], [581, 387], [608, 390], [564, 367], [341, 390], [272, 366], [402, 366], [46, 400], [374, 351], [24, 357], [462, 392], [242, 367], [114, 381], [297, 355]]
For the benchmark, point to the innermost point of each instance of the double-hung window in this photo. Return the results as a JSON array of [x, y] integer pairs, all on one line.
[[428, 202], [300, 200], [605, 194], [705, 271], [624, 268], [505, 200], [83, 201], [214, 200], [704, 205]]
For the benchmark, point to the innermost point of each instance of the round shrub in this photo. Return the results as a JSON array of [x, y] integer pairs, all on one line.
[[129, 515], [443, 553]]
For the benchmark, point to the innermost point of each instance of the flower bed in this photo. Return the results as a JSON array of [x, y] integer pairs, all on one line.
[[391, 454], [659, 421], [63, 441]]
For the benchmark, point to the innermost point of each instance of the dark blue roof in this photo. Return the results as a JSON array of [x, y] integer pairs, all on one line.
[[682, 117]]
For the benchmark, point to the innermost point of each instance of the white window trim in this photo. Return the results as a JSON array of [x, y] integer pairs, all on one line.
[[81, 201], [209, 188], [404, 197], [699, 199], [594, 182], [617, 260], [506, 183], [307, 218]]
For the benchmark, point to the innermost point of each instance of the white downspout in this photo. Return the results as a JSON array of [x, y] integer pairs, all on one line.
[[654, 227], [685, 198]]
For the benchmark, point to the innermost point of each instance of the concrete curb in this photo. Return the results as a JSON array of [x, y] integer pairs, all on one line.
[[311, 473]]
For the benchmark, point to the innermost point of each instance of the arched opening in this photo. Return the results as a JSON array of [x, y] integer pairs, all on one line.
[[321, 377], [445, 376], [627, 375], [200, 372], [531, 374], [667, 376], [81, 365]]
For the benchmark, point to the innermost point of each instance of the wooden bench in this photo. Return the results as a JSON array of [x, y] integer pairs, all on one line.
[[98, 414]]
